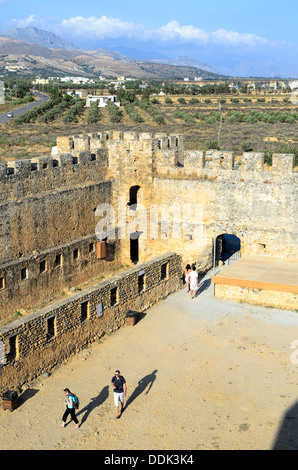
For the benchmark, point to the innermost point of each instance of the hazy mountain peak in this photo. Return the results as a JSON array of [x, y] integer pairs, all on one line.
[[42, 38], [187, 62]]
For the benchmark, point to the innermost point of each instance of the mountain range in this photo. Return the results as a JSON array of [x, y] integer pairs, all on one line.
[[40, 37], [32, 51]]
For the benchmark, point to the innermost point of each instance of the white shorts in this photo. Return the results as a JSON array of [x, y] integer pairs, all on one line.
[[117, 398], [193, 286]]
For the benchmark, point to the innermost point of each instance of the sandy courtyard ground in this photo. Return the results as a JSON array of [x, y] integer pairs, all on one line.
[[201, 374]]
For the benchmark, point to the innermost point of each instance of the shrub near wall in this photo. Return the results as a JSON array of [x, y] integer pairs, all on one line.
[[45, 339]]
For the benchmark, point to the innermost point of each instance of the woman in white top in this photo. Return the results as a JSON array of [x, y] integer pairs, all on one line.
[[194, 282]]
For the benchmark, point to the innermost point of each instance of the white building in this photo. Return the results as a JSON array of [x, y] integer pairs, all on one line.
[[293, 85], [75, 80], [102, 100]]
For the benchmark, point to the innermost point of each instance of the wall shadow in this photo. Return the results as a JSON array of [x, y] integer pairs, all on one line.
[[26, 395], [94, 403], [145, 382], [287, 436], [204, 286]]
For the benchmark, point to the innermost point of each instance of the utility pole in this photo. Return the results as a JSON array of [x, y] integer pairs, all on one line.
[[214, 258], [219, 131]]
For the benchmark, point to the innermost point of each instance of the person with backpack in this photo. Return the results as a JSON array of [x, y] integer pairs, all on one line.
[[72, 403]]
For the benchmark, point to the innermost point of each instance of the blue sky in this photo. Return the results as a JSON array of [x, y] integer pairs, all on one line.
[[235, 37]]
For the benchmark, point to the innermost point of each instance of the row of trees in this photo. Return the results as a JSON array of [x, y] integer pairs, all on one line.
[[93, 113], [75, 110], [132, 112], [50, 110], [33, 113], [114, 112], [252, 117], [152, 111]]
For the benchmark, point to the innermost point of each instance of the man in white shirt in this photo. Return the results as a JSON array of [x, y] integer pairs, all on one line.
[[194, 282]]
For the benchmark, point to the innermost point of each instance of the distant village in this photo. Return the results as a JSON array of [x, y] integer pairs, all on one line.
[[86, 88]]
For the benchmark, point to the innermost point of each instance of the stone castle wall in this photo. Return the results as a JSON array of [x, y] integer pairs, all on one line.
[[44, 339], [48, 208]]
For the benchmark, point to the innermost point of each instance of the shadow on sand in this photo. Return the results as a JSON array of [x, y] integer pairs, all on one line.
[[145, 382], [94, 403], [287, 437], [203, 286]]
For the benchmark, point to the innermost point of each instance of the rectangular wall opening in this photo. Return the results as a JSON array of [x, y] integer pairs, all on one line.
[[24, 274], [84, 310], [58, 261], [42, 266], [164, 271], [114, 296], [51, 330], [12, 349]]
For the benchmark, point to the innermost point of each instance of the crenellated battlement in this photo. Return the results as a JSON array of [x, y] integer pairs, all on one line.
[[48, 204], [77, 143], [94, 157], [168, 152], [20, 178], [222, 164]]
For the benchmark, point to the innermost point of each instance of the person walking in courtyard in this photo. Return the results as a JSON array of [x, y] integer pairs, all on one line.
[[119, 388], [70, 408], [186, 275], [194, 282]]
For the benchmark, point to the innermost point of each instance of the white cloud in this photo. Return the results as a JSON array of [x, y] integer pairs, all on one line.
[[173, 30], [108, 27], [31, 20], [221, 36], [113, 28], [103, 27]]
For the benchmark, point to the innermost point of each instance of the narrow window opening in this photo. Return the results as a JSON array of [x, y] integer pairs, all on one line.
[[133, 197], [24, 274], [42, 266], [134, 250], [50, 328], [12, 345], [84, 311], [58, 261], [76, 254], [114, 294], [164, 269], [2, 283], [91, 247]]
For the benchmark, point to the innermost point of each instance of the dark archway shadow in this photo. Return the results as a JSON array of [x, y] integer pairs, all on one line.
[[94, 403], [287, 436], [146, 381]]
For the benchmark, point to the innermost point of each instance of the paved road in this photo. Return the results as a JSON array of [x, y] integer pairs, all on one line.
[[24, 109]]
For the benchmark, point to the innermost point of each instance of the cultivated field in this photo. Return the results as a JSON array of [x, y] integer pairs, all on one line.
[[249, 123]]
